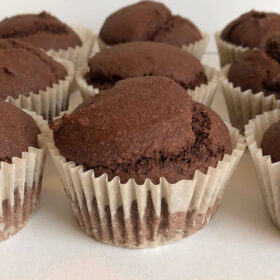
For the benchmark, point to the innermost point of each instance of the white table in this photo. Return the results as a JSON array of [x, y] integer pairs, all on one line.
[[239, 243]]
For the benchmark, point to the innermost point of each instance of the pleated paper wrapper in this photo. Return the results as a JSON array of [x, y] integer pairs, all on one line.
[[80, 54], [148, 215], [244, 105], [50, 102], [20, 184], [197, 49], [268, 172], [202, 94], [227, 51]]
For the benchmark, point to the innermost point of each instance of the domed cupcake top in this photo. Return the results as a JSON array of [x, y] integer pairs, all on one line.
[[138, 59], [272, 46], [18, 131], [148, 21], [146, 127], [271, 142], [24, 69], [252, 29], [255, 70], [41, 30]]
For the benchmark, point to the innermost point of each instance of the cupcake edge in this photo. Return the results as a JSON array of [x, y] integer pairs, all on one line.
[[245, 105], [21, 182], [50, 102], [147, 215], [197, 48], [268, 173], [227, 51], [204, 93], [79, 54]]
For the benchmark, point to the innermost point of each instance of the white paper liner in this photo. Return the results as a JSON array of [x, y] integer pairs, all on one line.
[[51, 101], [227, 51], [202, 94], [80, 54], [244, 105], [197, 49], [268, 172], [97, 202], [20, 184]]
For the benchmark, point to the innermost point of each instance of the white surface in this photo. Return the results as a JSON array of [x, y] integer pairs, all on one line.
[[209, 15], [239, 243]]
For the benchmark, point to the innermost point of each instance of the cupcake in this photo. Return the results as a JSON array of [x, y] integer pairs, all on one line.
[[251, 86], [263, 138], [138, 59], [22, 156], [250, 30], [46, 32], [142, 164], [152, 21], [32, 80]]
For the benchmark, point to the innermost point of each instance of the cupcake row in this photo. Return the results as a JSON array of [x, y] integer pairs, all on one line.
[[143, 160]]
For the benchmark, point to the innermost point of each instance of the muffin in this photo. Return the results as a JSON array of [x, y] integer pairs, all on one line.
[[28, 72], [250, 30], [21, 159], [152, 21], [46, 32], [140, 152], [263, 138], [251, 86], [138, 59]]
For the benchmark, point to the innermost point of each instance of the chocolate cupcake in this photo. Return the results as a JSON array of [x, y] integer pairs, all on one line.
[[33, 80], [46, 32], [21, 159], [140, 152], [263, 138], [152, 21], [251, 86], [272, 46], [250, 30], [139, 59]]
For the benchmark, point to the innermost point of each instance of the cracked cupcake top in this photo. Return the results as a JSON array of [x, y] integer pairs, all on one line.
[[251, 29], [148, 21], [138, 59], [255, 70], [24, 69], [40, 30], [146, 127], [18, 131]]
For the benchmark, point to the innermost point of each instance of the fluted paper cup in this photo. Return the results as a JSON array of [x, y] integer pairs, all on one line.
[[147, 215], [80, 54], [51, 101], [202, 94], [268, 172], [244, 105], [227, 51], [197, 49], [20, 184]]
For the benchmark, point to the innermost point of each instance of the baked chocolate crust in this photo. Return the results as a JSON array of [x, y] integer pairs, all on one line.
[[270, 142], [251, 29], [255, 70], [18, 131], [26, 69], [146, 127], [40, 30], [137, 59], [148, 21]]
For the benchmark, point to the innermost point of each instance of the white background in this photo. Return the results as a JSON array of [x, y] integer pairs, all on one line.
[[208, 15]]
